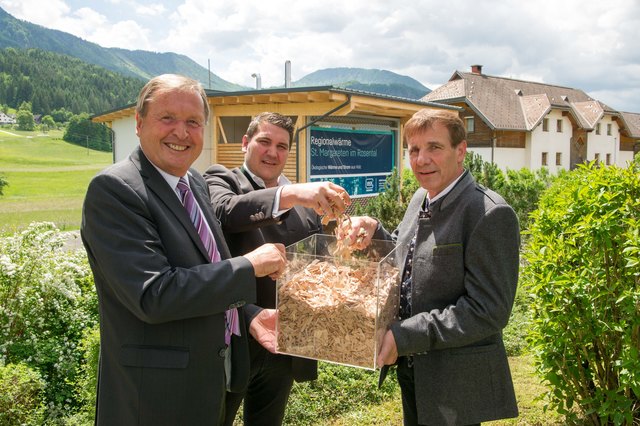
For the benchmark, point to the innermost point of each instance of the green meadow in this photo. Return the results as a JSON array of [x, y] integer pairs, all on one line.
[[47, 179]]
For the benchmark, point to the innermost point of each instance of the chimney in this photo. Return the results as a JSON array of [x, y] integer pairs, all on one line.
[[476, 69], [287, 74]]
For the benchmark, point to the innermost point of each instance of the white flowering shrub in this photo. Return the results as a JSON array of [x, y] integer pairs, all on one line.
[[47, 300]]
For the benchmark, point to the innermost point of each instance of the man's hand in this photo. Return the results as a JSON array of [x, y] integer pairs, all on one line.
[[263, 329], [326, 198], [268, 259], [388, 353], [361, 232]]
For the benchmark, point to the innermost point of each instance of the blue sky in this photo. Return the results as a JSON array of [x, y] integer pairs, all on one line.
[[583, 44]]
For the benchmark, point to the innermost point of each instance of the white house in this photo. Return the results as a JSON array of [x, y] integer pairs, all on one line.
[[516, 124]]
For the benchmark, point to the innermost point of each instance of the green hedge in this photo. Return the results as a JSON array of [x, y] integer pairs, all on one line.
[[583, 274]]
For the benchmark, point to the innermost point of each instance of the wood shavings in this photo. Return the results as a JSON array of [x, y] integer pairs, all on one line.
[[328, 311]]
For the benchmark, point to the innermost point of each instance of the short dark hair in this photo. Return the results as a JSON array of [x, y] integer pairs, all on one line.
[[274, 118], [165, 82], [424, 120]]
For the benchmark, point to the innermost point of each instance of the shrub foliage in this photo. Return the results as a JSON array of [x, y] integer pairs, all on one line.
[[47, 299], [583, 273]]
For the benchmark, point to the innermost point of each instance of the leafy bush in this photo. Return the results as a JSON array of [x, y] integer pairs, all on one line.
[[86, 385], [21, 395], [47, 299], [521, 189], [3, 183], [583, 274]]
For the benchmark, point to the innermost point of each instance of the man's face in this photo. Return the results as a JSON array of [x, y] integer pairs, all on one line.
[[172, 132], [435, 163], [266, 152]]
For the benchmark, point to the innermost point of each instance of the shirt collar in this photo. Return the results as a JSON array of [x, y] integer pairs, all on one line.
[[171, 180], [445, 191], [282, 179]]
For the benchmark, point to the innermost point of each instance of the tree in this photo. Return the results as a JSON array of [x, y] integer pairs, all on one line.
[[47, 123], [24, 117], [82, 131], [61, 115]]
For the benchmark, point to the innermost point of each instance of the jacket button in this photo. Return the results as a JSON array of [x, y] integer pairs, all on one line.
[[222, 352]]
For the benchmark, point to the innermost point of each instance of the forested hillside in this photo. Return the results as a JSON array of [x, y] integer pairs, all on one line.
[[51, 81], [21, 34]]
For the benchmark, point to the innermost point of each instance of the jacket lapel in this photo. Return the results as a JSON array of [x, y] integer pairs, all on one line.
[[156, 183]]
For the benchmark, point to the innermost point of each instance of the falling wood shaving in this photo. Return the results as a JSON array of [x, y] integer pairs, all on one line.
[[344, 247], [327, 311]]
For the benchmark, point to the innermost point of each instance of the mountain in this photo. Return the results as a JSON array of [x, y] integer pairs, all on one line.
[[19, 34], [369, 80], [133, 63]]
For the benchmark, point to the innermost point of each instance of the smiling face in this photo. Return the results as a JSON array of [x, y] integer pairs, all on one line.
[[266, 152], [171, 132], [434, 161]]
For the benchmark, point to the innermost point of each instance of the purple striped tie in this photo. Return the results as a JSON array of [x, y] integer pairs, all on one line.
[[232, 324]]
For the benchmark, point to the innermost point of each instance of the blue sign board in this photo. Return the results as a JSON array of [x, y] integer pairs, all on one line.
[[358, 160]]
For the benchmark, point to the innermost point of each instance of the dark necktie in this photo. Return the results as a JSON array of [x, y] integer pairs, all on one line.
[[405, 286], [195, 214]]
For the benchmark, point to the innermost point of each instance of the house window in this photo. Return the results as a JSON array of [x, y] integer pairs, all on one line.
[[545, 124], [609, 129], [558, 158], [598, 129], [559, 126], [469, 124], [544, 159], [597, 157], [608, 159]]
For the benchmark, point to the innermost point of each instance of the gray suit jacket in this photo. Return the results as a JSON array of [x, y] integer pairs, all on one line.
[[245, 212], [162, 304], [464, 278]]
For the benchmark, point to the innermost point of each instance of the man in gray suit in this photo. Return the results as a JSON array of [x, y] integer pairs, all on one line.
[[164, 357], [458, 285], [256, 204]]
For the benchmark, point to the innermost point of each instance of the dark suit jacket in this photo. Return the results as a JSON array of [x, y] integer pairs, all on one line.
[[464, 278], [245, 212], [162, 304]]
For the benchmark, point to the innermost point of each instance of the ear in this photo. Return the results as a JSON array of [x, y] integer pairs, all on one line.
[[138, 124], [245, 143], [461, 151]]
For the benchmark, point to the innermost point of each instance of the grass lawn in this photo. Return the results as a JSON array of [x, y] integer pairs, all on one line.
[[527, 385], [47, 178]]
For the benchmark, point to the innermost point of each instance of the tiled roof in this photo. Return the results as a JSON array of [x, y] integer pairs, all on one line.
[[632, 122], [509, 104]]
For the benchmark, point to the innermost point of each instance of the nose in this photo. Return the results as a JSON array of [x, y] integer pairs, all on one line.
[[423, 158], [180, 129], [272, 151]]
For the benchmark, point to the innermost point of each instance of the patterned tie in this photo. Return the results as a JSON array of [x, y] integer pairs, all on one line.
[[232, 324], [405, 286]]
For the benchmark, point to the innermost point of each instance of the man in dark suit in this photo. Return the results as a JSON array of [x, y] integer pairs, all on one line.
[[458, 285], [162, 294], [256, 204]]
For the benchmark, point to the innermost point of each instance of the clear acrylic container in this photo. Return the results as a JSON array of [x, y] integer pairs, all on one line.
[[337, 309]]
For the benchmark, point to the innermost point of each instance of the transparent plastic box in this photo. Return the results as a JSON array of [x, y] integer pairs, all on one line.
[[337, 309]]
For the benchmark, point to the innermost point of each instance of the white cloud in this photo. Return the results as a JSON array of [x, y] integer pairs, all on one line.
[[584, 44]]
